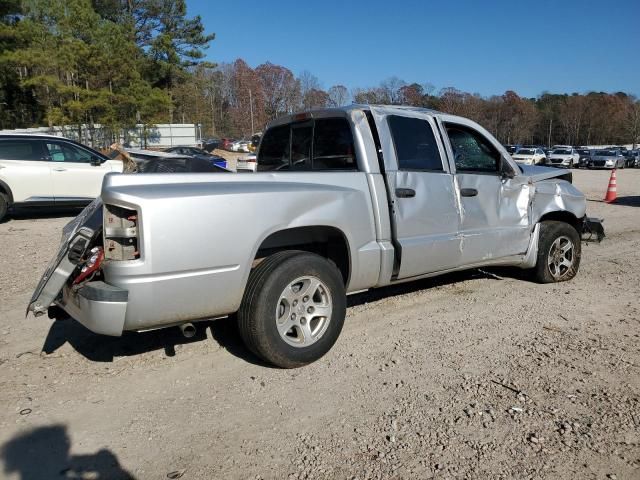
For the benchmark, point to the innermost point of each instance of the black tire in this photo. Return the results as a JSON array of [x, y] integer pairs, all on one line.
[[550, 231], [262, 298], [4, 206]]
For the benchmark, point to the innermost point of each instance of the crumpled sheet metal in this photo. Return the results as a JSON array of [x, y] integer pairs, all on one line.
[[556, 195]]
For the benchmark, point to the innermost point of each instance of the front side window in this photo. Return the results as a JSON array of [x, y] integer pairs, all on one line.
[[415, 143], [471, 150], [21, 150], [64, 152]]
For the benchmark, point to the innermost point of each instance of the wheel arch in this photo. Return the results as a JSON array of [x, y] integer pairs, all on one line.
[[4, 188], [563, 216], [327, 241]]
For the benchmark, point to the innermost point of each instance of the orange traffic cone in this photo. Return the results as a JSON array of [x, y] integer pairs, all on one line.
[[612, 193]]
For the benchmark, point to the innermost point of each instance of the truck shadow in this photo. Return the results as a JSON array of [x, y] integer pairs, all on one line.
[[102, 348], [45, 452], [224, 332]]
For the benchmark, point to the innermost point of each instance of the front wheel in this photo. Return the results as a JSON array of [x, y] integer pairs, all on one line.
[[559, 252], [293, 308]]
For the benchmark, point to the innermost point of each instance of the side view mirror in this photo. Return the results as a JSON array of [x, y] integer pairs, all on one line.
[[96, 161], [506, 171]]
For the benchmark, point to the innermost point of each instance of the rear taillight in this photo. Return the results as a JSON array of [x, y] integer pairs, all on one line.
[[91, 265], [120, 233]]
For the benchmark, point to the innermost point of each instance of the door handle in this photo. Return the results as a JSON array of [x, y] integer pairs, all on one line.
[[405, 192], [468, 192], [60, 169]]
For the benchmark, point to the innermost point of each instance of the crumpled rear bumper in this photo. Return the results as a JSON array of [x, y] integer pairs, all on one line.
[[98, 306], [592, 229]]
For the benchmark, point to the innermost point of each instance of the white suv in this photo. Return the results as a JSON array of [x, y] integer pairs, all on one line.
[[42, 170]]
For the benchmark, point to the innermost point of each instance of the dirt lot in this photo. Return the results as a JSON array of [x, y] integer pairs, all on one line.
[[476, 375]]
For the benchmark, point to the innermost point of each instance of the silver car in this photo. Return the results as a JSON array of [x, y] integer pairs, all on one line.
[[344, 200], [610, 158]]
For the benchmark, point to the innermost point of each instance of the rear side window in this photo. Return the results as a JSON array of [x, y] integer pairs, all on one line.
[[21, 150], [416, 147], [325, 144], [333, 145], [274, 149], [472, 151]]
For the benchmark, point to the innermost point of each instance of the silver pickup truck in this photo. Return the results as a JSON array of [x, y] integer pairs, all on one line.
[[344, 200]]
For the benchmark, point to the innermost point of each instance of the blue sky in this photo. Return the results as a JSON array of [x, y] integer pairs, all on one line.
[[484, 47]]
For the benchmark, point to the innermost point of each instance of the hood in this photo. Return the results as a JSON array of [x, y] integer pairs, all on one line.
[[604, 157], [536, 173]]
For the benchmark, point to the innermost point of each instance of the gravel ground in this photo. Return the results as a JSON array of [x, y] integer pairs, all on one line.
[[476, 375]]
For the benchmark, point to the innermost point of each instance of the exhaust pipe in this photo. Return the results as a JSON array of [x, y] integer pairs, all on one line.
[[188, 330]]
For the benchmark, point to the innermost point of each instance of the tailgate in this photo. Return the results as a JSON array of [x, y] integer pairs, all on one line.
[[78, 236]]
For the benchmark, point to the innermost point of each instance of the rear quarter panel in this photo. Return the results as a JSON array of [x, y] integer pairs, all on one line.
[[200, 233]]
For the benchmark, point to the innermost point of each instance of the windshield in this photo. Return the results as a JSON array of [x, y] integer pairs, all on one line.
[[583, 152], [562, 152], [606, 153], [525, 151]]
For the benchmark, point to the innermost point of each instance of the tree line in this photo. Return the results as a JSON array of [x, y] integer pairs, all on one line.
[[125, 62]]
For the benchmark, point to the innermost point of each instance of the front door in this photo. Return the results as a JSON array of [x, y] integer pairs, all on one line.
[[74, 176], [425, 214], [494, 207]]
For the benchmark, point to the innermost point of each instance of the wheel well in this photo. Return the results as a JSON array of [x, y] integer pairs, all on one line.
[[328, 242], [562, 216], [4, 188]]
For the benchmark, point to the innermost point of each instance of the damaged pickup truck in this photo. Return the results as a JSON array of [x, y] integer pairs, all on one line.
[[344, 200]]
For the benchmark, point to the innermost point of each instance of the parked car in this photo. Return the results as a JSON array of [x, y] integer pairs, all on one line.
[[240, 146], [198, 152], [609, 158], [211, 144], [247, 163], [584, 157], [512, 148], [225, 143], [49, 171], [372, 196], [255, 141], [530, 156], [566, 157], [631, 157], [182, 165]]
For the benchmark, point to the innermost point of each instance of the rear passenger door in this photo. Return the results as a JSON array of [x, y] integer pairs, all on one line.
[[424, 209]]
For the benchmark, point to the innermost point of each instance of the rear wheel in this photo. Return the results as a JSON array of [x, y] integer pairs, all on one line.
[[4, 206], [293, 309], [559, 252]]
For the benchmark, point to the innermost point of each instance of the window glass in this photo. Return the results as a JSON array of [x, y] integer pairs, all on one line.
[[333, 145], [301, 146], [170, 165], [64, 152], [472, 151], [20, 150], [416, 146], [274, 149]]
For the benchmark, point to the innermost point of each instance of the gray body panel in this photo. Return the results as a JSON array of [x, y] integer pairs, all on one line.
[[199, 233]]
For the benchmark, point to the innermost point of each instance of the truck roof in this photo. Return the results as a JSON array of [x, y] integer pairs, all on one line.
[[344, 111]]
